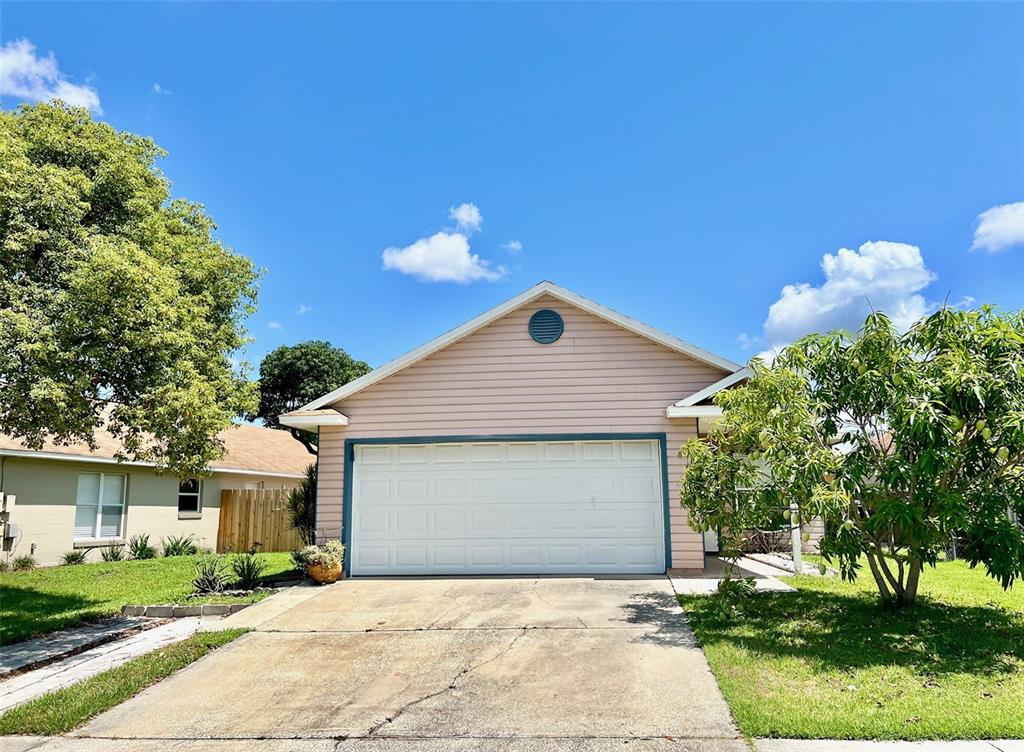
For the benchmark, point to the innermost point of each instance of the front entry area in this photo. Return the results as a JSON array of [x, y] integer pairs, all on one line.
[[523, 506]]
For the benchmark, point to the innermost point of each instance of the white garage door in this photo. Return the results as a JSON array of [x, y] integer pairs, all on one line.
[[507, 507]]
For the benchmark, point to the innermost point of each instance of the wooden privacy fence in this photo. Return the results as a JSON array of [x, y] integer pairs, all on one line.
[[255, 518]]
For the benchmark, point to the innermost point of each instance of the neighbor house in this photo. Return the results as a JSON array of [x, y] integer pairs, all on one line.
[[542, 436], [74, 497]]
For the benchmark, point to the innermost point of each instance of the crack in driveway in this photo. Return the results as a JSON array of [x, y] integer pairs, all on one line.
[[451, 685], [551, 605]]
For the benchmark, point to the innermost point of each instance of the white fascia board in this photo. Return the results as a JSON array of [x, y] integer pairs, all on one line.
[[695, 411], [312, 422], [32, 455], [708, 391], [544, 288]]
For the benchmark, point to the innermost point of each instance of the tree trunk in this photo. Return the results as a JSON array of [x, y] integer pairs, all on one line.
[[304, 438], [910, 589], [898, 590], [880, 583]]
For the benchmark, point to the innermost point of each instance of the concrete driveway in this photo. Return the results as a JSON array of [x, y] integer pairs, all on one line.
[[425, 664]]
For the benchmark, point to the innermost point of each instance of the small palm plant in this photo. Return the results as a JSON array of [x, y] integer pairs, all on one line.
[[74, 557], [181, 545], [248, 569], [113, 552], [301, 506], [139, 548]]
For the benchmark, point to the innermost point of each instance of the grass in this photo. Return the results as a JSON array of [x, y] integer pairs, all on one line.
[[50, 598], [829, 661], [61, 711]]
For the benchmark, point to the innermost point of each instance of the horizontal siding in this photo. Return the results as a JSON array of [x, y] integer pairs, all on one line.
[[598, 378]]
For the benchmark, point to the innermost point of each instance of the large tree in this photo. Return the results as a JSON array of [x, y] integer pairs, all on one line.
[[118, 306], [294, 375], [899, 441]]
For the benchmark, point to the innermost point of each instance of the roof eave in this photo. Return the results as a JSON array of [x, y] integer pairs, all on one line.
[[91, 458], [693, 411], [713, 389], [311, 420]]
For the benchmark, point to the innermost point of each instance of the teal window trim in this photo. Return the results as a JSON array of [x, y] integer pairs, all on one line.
[[350, 455]]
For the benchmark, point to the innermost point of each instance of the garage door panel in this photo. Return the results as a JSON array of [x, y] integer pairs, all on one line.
[[508, 507]]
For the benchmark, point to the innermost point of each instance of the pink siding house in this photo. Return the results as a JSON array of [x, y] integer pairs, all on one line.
[[540, 437]]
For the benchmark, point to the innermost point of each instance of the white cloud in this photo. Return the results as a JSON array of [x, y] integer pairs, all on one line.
[[999, 228], [467, 217], [443, 257], [513, 246], [275, 325], [745, 341], [302, 309], [158, 89], [26, 76], [881, 275]]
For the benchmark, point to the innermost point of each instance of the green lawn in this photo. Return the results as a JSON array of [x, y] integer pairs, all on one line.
[[829, 662], [54, 597], [61, 711]]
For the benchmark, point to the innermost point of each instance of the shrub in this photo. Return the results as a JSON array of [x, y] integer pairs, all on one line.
[[113, 552], [210, 574], [181, 545], [732, 594], [248, 569], [328, 556], [23, 563], [74, 557], [139, 548], [5, 566], [301, 506]]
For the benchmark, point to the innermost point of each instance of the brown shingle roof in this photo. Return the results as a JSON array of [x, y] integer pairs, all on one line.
[[247, 447]]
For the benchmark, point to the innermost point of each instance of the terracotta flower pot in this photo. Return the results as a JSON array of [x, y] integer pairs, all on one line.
[[324, 575]]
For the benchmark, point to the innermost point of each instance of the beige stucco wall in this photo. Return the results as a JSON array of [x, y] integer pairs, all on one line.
[[45, 506], [598, 378]]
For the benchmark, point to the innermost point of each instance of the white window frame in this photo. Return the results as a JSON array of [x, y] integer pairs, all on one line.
[[191, 514], [98, 522]]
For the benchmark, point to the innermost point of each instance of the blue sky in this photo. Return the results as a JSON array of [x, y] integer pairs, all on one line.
[[690, 165]]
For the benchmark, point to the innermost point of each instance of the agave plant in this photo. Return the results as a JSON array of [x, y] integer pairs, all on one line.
[[210, 574]]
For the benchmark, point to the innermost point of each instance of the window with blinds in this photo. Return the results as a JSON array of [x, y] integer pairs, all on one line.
[[99, 505]]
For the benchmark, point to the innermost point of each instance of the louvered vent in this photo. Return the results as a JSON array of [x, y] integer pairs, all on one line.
[[546, 326]]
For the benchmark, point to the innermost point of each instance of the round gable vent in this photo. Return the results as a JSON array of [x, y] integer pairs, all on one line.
[[546, 326]]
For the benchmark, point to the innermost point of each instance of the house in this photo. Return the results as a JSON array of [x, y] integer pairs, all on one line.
[[540, 437], [71, 497]]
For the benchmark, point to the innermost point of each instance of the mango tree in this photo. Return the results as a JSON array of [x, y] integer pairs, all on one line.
[[899, 441]]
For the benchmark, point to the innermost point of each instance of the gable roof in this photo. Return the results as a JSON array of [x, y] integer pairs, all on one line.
[[712, 389], [690, 407], [248, 450], [544, 288]]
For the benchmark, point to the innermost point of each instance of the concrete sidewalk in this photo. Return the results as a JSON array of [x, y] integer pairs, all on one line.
[[520, 744], [766, 577], [31, 684], [59, 644]]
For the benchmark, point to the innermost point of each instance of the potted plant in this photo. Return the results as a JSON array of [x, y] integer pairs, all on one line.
[[321, 563]]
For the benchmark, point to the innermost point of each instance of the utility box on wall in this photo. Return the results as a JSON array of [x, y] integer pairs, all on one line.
[[9, 530]]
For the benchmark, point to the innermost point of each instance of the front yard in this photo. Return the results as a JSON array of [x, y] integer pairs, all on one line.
[[50, 598], [827, 662]]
